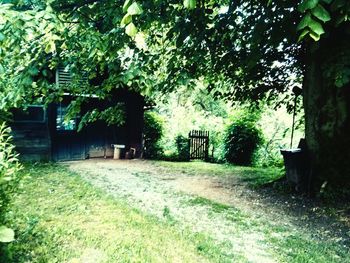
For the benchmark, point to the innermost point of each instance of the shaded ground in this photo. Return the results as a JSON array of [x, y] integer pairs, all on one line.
[[255, 225]]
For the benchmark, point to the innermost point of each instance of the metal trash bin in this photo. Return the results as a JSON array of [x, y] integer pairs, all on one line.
[[117, 150], [295, 162]]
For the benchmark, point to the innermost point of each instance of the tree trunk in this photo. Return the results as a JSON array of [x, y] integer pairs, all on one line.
[[327, 109]]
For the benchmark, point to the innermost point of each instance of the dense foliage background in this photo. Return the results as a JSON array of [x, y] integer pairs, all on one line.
[[153, 132], [182, 112]]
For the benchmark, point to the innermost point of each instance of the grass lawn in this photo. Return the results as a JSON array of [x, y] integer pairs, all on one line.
[[59, 217]]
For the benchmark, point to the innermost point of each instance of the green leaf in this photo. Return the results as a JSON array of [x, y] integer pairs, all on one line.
[[307, 4], [131, 30], [316, 27], [315, 36], [126, 20], [303, 34], [27, 81], [327, 1], [6, 234], [135, 9], [2, 70], [307, 21], [2, 37], [321, 13], [33, 71], [126, 5], [50, 47], [190, 4], [304, 22]]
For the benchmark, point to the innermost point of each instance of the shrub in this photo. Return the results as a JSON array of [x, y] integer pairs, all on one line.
[[9, 167], [241, 140], [268, 155], [183, 148], [216, 147], [153, 131]]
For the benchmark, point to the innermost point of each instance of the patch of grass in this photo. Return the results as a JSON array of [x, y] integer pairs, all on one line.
[[216, 207], [232, 214], [167, 215], [258, 177], [290, 245], [216, 251], [296, 247], [58, 217], [255, 177]]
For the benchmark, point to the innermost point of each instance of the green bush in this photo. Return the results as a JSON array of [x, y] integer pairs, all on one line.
[[183, 148], [177, 150], [241, 140], [268, 155], [9, 167], [153, 131], [216, 147]]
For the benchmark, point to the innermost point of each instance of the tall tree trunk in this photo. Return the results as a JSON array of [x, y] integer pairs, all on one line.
[[327, 108]]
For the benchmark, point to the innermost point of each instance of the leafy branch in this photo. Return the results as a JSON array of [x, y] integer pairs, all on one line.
[[317, 13]]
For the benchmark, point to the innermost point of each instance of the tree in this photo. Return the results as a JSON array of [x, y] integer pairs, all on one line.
[[262, 50], [244, 50], [82, 36]]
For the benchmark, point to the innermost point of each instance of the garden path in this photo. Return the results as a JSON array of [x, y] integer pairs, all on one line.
[[180, 197]]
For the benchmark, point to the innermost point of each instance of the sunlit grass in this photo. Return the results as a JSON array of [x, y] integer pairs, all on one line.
[[60, 218]]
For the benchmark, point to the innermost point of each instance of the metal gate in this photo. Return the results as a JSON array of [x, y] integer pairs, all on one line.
[[199, 144]]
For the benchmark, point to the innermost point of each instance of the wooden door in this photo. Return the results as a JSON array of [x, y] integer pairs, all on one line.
[[67, 142]]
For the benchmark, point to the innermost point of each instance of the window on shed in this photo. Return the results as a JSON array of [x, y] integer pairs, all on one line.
[[33, 113], [61, 123]]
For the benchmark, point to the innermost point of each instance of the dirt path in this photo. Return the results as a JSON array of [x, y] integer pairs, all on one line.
[[173, 195]]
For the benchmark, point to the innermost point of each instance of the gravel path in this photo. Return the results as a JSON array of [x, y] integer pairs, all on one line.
[[160, 195]]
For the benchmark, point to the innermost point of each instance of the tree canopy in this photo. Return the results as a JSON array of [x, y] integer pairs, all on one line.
[[240, 50]]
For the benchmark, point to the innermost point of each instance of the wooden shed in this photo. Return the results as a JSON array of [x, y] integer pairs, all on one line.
[[40, 133]]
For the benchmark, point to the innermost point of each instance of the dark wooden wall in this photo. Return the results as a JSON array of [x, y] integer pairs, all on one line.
[[32, 141], [42, 141]]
